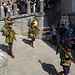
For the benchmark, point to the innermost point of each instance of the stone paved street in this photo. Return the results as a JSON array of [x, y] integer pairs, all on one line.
[[40, 60]]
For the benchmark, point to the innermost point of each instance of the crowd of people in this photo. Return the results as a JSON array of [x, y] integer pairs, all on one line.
[[21, 6], [65, 39], [60, 35], [8, 6]]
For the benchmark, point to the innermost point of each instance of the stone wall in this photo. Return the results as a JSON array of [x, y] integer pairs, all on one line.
[[22, 22], [66, 6]]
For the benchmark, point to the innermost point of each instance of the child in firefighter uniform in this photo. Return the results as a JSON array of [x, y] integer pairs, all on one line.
[[32, 34], [65, 60], [10, 37]]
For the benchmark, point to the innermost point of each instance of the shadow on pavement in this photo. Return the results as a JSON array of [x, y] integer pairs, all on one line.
[[4, 48], [26, 41], [55, 48], [49, 68], [50, 44]]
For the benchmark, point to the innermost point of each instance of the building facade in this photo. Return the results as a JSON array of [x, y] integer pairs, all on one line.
[[68, 8]]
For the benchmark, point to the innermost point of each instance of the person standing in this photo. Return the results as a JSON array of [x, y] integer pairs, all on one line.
[[37, 5], [33, 5], [10, 37], [23, 8], [5, 10], [62, 32], [65, 60], [9, 7], [54, 34]]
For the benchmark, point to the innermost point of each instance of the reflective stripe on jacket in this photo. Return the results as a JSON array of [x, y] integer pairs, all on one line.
[[66, 61]]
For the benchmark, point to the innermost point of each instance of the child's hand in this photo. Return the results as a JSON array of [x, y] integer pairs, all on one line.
[[15, 40]]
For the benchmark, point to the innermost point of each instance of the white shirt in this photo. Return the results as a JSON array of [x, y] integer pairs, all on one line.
[[54, 32]]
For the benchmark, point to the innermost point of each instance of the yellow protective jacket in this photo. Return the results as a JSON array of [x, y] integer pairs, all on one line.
[[10, 35], [66, 61], [35, 23], [7, 21]]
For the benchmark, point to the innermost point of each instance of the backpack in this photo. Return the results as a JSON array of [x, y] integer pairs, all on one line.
[[62, 57]]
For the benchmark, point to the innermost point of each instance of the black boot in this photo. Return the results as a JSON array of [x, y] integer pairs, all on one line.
[[11, 54], [32, 44], [61, 73]]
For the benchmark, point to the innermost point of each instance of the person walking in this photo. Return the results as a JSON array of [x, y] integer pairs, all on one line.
[[62, 34], [10, 37], [32, 34], [65, 60]]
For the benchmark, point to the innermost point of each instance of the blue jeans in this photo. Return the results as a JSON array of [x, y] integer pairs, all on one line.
[[62, 39]]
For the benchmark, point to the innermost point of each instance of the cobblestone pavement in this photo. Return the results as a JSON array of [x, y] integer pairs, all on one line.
[[40, 60]]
